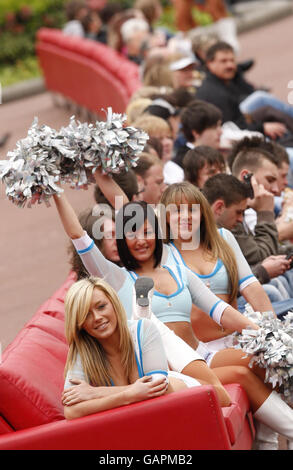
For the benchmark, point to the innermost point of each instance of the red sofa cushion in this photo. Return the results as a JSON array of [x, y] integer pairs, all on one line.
[[91, 74], [234, 416], [31, 374]]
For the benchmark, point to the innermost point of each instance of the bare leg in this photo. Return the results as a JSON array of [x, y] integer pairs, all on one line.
[[256, 390], [235, 357], [200, 370]]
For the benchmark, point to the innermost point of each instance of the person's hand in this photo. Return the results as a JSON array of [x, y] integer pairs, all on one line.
[[288, 198], [81, 391], [263, 200], [274, 129], [276, 265], [145, 388]]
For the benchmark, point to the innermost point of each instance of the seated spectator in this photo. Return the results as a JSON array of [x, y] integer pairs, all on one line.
[[164, 109], [94, 28], [183, 71], [262, 241], [150, 92], [200, 125], [135, 34], [152, 10], [279, 157], [136, 108], [202, 163], [155, 147], [109, 11], [114, 27], [228, 199], [150, 178], [222, 89], [157, 127], [157, 74], [200, 44], [76, 10]]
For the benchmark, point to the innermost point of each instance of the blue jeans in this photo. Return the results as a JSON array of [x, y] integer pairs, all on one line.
[[259, 99], [280, 306], [272, 292]]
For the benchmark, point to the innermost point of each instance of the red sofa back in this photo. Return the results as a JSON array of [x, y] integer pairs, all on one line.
[[31, 383], [89, 73], [31, 371]]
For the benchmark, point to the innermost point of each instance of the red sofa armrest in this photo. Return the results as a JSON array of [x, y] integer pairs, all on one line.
[[186, 420]]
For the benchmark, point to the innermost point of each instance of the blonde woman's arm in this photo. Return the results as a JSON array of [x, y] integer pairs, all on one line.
[[142, 389]]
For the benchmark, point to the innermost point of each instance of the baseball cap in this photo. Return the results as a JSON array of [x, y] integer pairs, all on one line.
[[183, 63]]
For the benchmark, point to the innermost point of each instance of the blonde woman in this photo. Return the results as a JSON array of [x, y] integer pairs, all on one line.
[[111, 361]]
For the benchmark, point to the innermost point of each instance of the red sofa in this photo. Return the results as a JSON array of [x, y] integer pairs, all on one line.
[[90, 74], [31, 416]]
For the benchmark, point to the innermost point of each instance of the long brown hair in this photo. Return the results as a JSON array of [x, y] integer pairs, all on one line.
[[210, 239], [93, 357]]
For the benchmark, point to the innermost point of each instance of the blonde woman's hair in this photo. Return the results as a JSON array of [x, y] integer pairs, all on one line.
[[158, 75], [93, 358], [136, 108], [154, 126], [210, 239]]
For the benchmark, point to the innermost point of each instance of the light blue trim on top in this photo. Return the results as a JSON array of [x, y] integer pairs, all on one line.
[[218, 266], [179, 287], [245, 278], [163, 372], [85, 250], [213, 308]]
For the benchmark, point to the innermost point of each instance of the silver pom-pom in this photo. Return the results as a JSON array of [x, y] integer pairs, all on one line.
[[271, 348], [46, 157], [31, 173]]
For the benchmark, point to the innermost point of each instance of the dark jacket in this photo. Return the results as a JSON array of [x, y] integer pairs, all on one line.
[[227, 97], [263, 243]]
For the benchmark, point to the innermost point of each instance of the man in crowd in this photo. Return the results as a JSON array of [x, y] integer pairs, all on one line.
[[201, 163], [200, 125], [261, 246], [221, 88]]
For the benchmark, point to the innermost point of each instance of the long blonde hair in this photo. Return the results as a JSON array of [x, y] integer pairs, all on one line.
[[210, 239], [93, 357]]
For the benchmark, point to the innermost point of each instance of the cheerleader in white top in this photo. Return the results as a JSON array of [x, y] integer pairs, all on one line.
[[111, 361]]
